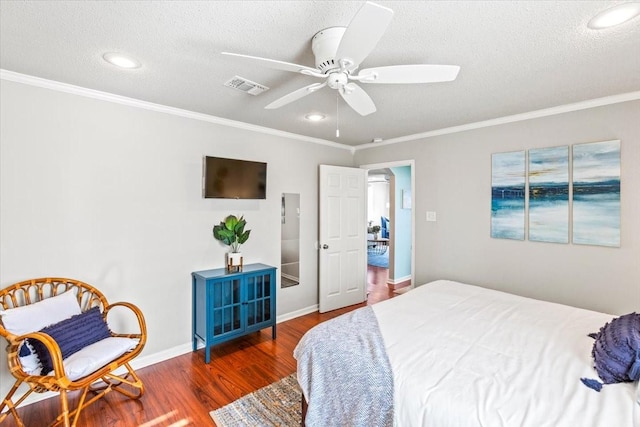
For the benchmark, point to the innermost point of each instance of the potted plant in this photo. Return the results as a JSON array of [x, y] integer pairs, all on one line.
[[231, 232], [375, 230]]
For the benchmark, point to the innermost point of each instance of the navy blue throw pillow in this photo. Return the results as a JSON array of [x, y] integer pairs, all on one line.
[[616, 351], [72, 335]]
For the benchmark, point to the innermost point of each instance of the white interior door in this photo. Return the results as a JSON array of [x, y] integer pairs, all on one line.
[[343, 228]]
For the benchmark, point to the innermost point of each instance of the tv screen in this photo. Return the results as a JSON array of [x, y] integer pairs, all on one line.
[[234, 179]]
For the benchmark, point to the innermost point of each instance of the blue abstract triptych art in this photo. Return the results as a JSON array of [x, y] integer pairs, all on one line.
[[549, 194], [508, 188], [592, 195], [596, 193]]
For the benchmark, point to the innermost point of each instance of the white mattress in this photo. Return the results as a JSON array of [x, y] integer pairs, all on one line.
[[468, 356]]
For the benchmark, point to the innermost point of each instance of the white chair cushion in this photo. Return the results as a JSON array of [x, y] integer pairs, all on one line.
[[95, 356], [33, 317]]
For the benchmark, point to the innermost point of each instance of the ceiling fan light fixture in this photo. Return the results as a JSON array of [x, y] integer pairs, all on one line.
[[614, 16], [315, 117], [121, 60]]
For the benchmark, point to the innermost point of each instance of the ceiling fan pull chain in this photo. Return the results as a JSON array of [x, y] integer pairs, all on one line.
[[337, 117]]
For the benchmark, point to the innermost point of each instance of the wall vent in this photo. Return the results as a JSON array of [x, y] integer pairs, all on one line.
[[246, 85]]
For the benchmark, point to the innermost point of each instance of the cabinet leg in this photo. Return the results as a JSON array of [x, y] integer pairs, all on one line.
[[273, 332], [207, 355]]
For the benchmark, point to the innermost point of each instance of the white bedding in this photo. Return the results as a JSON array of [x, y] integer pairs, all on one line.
[[467, 356]]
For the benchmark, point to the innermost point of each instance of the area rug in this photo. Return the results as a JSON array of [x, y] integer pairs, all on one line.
[[378, 260], [277, 404]]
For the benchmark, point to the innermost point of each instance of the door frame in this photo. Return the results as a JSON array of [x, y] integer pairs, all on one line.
[[411, 163]]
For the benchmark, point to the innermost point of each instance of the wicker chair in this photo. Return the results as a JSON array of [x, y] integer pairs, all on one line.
[[100, 382]]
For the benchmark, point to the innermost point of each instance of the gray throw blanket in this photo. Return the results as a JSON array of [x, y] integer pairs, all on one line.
[[344, 372]]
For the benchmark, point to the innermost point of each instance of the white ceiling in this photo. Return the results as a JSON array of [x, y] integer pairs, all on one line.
[[515, 57]]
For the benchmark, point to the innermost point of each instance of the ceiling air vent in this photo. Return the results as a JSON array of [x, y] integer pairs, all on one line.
[[246, 85]]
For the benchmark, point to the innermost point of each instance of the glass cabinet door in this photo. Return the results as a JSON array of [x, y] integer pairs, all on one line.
[[226, 306], [258, 299]]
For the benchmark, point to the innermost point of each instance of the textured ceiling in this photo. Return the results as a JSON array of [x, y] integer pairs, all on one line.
[[515, 57]]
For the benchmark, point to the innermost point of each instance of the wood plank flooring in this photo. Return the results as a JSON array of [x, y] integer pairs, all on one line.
[[181, 391]]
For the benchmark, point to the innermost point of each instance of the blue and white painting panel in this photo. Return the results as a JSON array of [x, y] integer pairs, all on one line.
[[508, 195], [596, 193], [549, 194]]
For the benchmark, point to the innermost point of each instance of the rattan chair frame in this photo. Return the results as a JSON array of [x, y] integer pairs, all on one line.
[[99, 383]]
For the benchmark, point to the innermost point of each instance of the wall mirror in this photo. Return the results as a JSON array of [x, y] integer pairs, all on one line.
[[290, 240]]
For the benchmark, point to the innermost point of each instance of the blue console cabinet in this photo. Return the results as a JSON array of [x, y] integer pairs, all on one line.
[[227, 305]]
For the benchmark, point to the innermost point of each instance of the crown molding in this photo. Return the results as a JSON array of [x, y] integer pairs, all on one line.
[[123, 100], [561, 109]]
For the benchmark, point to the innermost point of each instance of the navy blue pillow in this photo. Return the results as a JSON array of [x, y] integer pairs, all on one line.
[[616, 351], [72, 335]]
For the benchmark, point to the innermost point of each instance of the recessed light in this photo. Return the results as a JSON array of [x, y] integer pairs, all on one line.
[[121, 60], [315, 117], [614, 16]]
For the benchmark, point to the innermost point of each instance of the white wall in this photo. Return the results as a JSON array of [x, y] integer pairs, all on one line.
[[111, 195], [378, 201], [453, 178]]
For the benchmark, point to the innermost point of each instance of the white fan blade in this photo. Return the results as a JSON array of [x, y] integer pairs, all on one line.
[[295, 95], [358, 99], [363, 33], [409, 74], [272, 63]]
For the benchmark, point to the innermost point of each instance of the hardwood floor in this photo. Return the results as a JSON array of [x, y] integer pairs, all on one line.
[[377, 289], [181, 391]]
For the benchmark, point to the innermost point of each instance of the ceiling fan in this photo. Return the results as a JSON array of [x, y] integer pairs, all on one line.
[[339, 52]]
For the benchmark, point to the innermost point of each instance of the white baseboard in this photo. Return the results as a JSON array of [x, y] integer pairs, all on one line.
[[164, 355], [400, 280], [290, 277], [297, 313]]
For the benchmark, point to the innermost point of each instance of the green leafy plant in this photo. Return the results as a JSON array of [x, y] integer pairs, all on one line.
[[231, 232], [375, 229]]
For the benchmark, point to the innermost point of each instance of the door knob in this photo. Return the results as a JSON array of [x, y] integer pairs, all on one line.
[[325, 246]]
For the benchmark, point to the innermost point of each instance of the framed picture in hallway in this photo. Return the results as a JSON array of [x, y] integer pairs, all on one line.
[[406, 199]]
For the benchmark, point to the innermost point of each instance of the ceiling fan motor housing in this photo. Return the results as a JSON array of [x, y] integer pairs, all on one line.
[[324, 45]]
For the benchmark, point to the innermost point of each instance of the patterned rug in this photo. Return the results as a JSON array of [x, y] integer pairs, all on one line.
[[277, 404]]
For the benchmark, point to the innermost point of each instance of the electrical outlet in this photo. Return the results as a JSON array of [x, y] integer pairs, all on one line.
[[431, 216]]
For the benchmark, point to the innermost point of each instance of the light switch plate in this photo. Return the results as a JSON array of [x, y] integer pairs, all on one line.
[[431, 216]]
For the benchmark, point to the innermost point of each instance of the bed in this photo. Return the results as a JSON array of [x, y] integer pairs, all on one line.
[[451, 354]]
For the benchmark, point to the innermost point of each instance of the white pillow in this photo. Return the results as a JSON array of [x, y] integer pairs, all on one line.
[[33, 317], [95, 356], [30, 362]]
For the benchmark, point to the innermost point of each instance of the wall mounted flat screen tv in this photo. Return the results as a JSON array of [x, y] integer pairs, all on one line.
[[234, 179]]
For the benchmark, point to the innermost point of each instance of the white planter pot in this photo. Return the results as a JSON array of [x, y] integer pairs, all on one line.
[[234, 261]]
